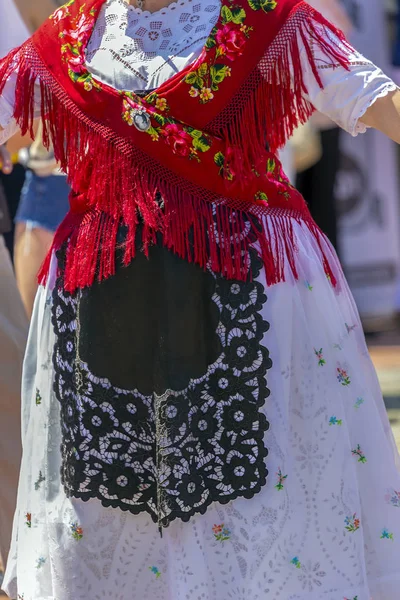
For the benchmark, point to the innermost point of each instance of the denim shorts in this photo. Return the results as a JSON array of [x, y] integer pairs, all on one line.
[[44, 201]]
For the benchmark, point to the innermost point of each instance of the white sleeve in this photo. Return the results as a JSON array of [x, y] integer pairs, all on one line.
[[7, 101], [346, 94]]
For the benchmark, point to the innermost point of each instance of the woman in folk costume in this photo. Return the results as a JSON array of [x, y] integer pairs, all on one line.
[[201, 419]]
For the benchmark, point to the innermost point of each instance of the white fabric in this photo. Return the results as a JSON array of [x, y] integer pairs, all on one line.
[[142, 50], [284, 544], [336, 13], [126, 53]]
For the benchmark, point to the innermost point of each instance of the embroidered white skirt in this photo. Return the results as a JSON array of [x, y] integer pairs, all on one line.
[[326, 526]]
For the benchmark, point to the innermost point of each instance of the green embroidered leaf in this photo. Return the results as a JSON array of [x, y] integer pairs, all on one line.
[[271, 165], [210, 43], [219, 159], [218, 73], [268, 5], [226, 14], [195, 133], [261, 196], [202, 70], [160, 119], [201, 144], [238, 16], [152, 98], [74, 76], [153, 132], [255, 4], [191, 77], [265, 5]]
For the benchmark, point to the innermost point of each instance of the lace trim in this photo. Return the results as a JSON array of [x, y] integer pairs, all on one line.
[[356, 126], [170, 8]]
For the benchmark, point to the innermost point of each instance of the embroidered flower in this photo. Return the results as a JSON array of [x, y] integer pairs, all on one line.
[[161, 104], [261, 197], [350, 328], [359, 402], [38, 398], [156, 572], [82, 29], [311, 575], [223, 161], [343, 377], [155, 136], [309, 286], [221, 533], [75, 63], [392, 497], [74, 41], [40, 562], [28, 521], [295, 561], [310, 457], [335, 421], [358, 452], [194, 92], [127, 114], [231, 41], [206, 94], [179, 140], [352, 523], [77, 531], [62, 12], [281, 480], [385, 535], [319, 355], [225, 43], [39, 480]]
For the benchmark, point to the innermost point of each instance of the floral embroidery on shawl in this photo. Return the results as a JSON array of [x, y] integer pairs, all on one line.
[[225, 44]]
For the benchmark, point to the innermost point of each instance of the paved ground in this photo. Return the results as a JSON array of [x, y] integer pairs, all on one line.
[[385, 353]]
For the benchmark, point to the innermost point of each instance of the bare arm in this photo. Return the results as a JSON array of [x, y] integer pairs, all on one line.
[[384, 115]]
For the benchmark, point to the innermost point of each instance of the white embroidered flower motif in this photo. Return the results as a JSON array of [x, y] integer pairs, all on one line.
[[310, 457], [311, 575]]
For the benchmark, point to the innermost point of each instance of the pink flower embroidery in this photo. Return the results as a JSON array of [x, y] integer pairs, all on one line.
[[178, 139], [231, 41]]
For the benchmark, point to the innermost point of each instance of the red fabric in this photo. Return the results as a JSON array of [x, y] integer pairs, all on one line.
[[211, 123]]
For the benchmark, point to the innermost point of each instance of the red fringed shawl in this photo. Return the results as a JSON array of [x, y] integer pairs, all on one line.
[[199, 141]]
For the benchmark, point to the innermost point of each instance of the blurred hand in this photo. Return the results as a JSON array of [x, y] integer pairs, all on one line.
[[5, 161]]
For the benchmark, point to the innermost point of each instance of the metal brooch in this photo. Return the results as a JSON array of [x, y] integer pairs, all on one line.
[[141, 120]]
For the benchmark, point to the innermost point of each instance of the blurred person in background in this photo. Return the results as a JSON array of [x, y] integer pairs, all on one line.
[[44, 198], [318, 181], [13, 320], [14, 31]]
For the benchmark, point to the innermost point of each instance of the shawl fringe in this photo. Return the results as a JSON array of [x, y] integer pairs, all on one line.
[[118, 184], [274, 98]]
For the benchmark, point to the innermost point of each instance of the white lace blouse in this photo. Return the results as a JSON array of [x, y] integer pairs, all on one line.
[[136, 50]]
